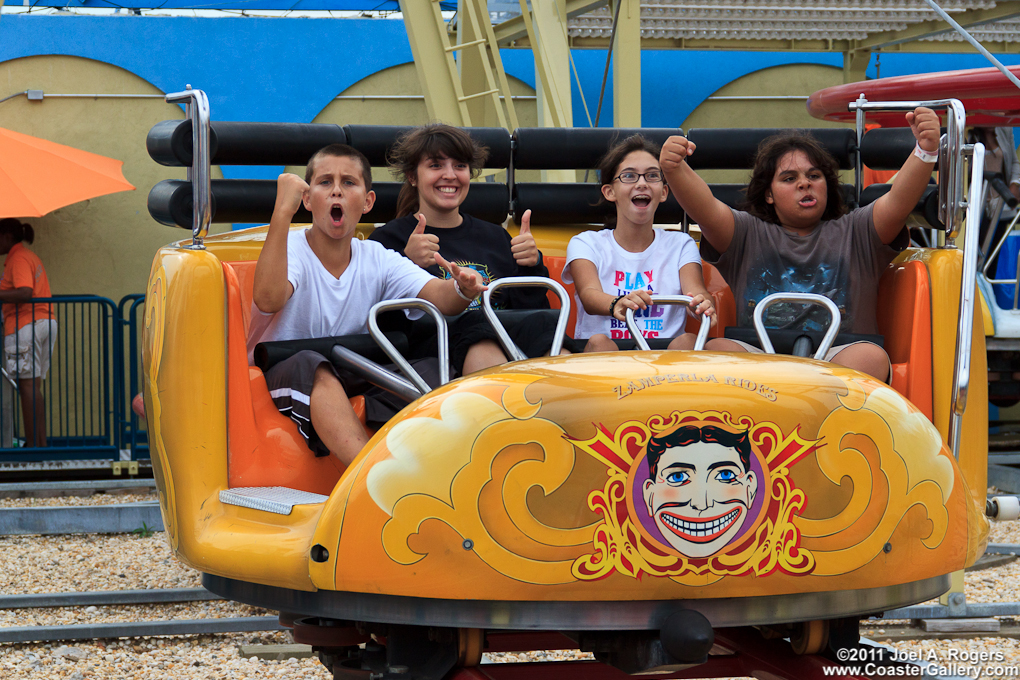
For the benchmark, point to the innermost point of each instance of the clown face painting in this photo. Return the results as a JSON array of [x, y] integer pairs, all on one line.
[[700, 487]]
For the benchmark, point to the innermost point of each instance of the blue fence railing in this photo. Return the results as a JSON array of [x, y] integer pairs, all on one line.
[[78, 386]]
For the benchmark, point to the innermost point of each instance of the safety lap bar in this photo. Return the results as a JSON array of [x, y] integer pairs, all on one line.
[[442, 338], [950, 149], [198, 173], [374, 373], [512, 350], [768, 301], [639, 338], [964, 328]]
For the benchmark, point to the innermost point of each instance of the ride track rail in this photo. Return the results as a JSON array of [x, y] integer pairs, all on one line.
[[91, 631]]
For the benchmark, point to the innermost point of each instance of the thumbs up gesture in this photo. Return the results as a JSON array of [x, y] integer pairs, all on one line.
[[421, 248], [523, 245]]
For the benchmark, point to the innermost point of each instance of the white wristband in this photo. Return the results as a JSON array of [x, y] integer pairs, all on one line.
[[456, 287], [926, 156]]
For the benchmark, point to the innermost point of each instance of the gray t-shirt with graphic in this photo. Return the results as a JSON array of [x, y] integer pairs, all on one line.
[[842, 259]]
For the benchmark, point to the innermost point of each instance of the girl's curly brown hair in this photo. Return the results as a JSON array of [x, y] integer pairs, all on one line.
[[770, 152], [435, 140]]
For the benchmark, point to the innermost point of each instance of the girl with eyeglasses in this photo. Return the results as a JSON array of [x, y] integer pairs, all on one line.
[[623, 265]]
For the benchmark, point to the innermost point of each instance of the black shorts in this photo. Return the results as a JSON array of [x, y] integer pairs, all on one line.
[[290, 386], [533, 335]]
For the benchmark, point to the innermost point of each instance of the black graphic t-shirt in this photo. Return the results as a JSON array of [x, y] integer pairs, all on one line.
[[842, 259], [479, 245]]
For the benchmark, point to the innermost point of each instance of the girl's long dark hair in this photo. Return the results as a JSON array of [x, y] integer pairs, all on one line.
[[609, 166], [770, 152], [19, 231], [435, 140]]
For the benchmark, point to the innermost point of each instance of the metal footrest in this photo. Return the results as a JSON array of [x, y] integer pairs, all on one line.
[[278, 499]]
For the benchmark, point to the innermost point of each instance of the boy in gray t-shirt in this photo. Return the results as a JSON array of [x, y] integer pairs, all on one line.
[[795, 236]]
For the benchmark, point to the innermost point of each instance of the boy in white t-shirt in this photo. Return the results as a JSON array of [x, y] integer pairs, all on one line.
[[322, 282], [622, 267]]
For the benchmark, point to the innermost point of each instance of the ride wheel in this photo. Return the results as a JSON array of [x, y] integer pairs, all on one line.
[[810, 637]]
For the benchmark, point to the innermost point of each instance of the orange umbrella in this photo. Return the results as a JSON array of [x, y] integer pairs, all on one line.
[[38, 176]]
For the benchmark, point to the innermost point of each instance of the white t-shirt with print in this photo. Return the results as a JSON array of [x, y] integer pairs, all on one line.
[[323, 305], [655, 269]]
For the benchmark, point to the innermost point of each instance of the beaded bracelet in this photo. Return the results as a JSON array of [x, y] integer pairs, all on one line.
[[612, 305]]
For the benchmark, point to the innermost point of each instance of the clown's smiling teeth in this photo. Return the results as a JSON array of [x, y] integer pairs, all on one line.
[[699, 531]]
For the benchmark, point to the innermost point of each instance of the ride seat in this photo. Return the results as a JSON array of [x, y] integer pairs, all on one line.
[[264, 447]]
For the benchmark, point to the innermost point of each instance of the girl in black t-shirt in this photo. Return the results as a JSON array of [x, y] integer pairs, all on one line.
[[436, 163]]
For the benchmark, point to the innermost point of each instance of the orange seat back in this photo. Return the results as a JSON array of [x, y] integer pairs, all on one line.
[[904, 318], [555, 266], [264, 447]]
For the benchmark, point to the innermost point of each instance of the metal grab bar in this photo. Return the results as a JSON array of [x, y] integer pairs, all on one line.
[[374, 373], [768, 301], [442, 338], [512, 350], [950, 149], [968, 282], [639, 338], [199, 173]]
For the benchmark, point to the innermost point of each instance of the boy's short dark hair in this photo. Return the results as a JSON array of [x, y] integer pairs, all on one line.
[[692, 434], [608, 165], [340, 151], [770, 152]]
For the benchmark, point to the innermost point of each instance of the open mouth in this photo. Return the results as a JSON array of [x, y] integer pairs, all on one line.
[[336, 213], [808, 202], [448, 190], [641, 201], [699, 530]]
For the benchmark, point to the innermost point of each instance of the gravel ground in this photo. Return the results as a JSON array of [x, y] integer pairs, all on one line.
[[40, 564]]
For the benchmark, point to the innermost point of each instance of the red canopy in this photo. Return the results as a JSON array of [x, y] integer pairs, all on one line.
[[989, 97]]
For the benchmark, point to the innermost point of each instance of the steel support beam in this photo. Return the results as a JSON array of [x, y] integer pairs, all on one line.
[[515, 29], [926, 29], [626, 65], [548, 37], [855, 65], [552, 62], [434, 63], [481, 68], [797, 45]]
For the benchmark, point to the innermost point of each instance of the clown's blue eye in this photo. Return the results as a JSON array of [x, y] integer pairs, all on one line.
[[726, 476], [678, 478]]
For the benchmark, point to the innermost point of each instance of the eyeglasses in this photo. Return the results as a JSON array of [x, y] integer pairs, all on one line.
[[652, 177]]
